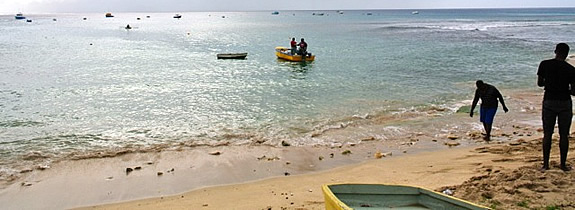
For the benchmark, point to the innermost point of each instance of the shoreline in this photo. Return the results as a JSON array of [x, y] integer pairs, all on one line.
[[435, 152], [91, 183]]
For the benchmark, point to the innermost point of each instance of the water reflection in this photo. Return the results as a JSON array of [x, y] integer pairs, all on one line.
[[299, 69]]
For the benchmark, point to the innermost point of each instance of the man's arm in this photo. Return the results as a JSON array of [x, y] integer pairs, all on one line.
[[500, 97], [540, 78], [541, 81], [475, 100]]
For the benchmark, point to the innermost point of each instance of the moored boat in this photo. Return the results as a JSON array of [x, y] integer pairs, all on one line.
[[232, 55], [380, 196], [19, 16], [285, 53], [108, 14]]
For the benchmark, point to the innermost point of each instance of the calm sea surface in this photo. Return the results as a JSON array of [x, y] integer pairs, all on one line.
[[74, 87]]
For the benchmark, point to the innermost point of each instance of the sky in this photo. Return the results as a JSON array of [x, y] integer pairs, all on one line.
[[84, 6]]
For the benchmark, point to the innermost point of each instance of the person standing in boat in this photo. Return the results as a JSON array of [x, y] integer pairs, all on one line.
[[302, 49], [489, 96], [293, 45]]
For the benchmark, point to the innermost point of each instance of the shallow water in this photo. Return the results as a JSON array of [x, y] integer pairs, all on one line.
[[75, 87]]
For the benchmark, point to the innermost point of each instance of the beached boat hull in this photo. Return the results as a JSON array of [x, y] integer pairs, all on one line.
[[379, 196], [285, 53], [232, 55]]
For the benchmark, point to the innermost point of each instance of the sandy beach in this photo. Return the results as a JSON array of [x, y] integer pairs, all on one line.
[[501, 174]]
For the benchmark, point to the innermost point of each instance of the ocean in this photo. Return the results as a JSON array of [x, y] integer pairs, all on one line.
[[78, 88]]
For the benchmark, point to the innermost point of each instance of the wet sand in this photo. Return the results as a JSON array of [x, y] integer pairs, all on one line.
[[501, 174]]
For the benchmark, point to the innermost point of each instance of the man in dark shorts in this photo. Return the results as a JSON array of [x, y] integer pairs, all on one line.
[[489, 96], [558, 78], [302, 49]]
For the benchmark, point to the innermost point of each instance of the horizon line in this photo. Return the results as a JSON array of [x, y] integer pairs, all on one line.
[[267, 10]]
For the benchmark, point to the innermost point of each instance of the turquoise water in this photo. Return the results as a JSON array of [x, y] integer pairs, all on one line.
[[74, 87]]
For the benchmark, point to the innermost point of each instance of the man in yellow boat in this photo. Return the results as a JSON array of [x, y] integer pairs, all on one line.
[[302, 49], [293, 45]]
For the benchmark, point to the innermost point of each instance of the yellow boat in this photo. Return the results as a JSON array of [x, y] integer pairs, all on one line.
[[380, 196], [285, 53]]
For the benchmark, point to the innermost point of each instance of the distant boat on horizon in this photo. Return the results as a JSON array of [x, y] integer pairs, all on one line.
[[178, 16], [275, 13], [19, 16], [108, 14], [415, 12]]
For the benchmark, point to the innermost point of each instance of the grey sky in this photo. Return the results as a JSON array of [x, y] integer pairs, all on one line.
[[79, 6]]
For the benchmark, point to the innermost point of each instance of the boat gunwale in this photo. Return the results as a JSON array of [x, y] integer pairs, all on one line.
[[328, 193]]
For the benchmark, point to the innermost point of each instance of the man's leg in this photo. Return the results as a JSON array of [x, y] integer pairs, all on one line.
[[487, 118], [488, 131], [564, 120], [549, 117], [487, 128]]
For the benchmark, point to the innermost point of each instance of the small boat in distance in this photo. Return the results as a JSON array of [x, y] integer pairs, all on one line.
[[19, 16], [380, 196], [285, 53], [108, 15], [232, 55], [178, 16], [275, 13], [415, 12]]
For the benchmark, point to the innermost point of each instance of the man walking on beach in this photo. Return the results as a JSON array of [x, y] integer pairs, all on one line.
[[558, 78], [489, 96]]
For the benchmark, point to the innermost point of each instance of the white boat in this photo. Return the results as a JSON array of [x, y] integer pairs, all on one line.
[[415, 12]]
